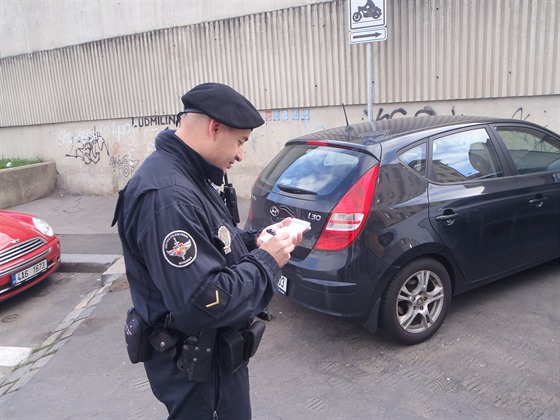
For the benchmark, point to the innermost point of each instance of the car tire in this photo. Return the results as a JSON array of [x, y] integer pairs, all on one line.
[[416, 302]]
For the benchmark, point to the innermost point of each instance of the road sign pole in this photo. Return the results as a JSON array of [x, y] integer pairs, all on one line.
[[367, 24], [369, 82]]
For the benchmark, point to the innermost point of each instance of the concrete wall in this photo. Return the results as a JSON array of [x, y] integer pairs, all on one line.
[[27, 183], [98, 158], [297, 57], [90, 107], [29, 26]]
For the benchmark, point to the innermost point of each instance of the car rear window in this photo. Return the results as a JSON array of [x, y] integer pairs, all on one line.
[[310, 169]]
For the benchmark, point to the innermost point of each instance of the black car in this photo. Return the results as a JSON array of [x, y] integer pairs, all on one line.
[[407, 212]]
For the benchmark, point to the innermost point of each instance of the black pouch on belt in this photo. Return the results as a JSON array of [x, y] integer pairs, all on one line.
[[137, 337], [230, 349], [166, 342], [252, 338]]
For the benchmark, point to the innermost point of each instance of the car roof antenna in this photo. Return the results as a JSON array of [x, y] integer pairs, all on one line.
[[348, 128]]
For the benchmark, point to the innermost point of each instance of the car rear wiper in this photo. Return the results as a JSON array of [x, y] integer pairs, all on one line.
[[295, 190]]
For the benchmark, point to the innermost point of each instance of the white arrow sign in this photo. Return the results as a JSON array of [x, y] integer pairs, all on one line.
[[370, 35]]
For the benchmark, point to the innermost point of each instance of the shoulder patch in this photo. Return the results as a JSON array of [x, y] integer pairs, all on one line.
[[179, 249]]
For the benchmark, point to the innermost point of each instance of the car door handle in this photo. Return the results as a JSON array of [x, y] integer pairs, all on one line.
[[447, 216], [538, 201]]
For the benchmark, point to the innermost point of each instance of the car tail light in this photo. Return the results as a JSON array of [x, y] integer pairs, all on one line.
[[250, 215], [348, 217]]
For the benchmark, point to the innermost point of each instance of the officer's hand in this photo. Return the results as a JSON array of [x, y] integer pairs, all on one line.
[[280, 247], [275, 227]]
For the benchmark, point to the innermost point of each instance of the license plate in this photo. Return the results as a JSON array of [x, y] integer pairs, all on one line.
[[283, 285], [29, 273]]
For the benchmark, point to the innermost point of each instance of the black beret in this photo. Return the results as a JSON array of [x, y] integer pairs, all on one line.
[[223, 104]]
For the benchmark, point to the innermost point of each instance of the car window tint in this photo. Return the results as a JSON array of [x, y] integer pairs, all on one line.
[[415, 158], [464, 156], [531, 150], [316, 170]]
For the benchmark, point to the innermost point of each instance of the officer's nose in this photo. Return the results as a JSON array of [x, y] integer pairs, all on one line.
[[239, 156]]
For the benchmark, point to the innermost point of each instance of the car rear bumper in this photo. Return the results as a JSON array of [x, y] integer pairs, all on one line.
[[337, 288]]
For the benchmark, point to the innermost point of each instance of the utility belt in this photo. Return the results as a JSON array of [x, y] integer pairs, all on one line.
[[192, 354]]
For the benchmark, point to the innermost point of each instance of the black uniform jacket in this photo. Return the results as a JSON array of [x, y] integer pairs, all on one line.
[[182, 251]]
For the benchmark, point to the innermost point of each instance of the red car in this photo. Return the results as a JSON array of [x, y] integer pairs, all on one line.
[[29, 252]]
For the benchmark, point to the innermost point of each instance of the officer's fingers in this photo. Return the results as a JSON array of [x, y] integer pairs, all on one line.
[[285, 222], [278, 250], [283, 237], [286, 250], [289, 240], [285, 244], [281, 223], [296, 240], [277, 243], [288, 246]]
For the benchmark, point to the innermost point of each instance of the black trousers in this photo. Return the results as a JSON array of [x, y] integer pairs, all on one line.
[[227, 394]]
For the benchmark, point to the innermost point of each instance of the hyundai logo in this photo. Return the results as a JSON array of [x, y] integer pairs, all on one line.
[[274, 211]]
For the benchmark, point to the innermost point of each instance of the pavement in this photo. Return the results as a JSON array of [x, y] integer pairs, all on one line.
[[496, 356], [81, 369]]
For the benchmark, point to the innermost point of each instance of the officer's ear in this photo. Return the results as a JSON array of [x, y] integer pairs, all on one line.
[[214, 128]]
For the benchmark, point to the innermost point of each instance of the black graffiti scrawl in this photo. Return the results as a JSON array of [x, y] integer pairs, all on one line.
[[88, 148], [124, 165]]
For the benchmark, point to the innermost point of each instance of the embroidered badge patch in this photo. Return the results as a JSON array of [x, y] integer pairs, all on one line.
[[179, 249]]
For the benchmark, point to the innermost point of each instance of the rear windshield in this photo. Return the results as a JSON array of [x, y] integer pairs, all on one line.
[[310, 169]]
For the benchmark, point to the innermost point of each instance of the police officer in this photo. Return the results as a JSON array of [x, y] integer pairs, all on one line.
[[196, 280]]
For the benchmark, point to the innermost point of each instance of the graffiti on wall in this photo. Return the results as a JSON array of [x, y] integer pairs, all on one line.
[[119, 147], [88, 147], [286, 115], [518, 114], [125, 165], [112, 144], [427, 110], [155, 120], [305, 114], [91, 148]]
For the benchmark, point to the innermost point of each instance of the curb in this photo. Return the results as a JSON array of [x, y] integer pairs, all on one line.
[[115, 272], [87, 263]]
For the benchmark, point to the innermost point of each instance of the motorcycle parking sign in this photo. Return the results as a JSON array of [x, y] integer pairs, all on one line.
[[366, 14], [367, 21]]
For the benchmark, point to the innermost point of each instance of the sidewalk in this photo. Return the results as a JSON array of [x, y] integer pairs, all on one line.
[[307, 367], [82, 370], [82, 365]]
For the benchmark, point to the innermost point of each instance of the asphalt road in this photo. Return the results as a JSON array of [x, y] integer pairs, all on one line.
[[497, 356]]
